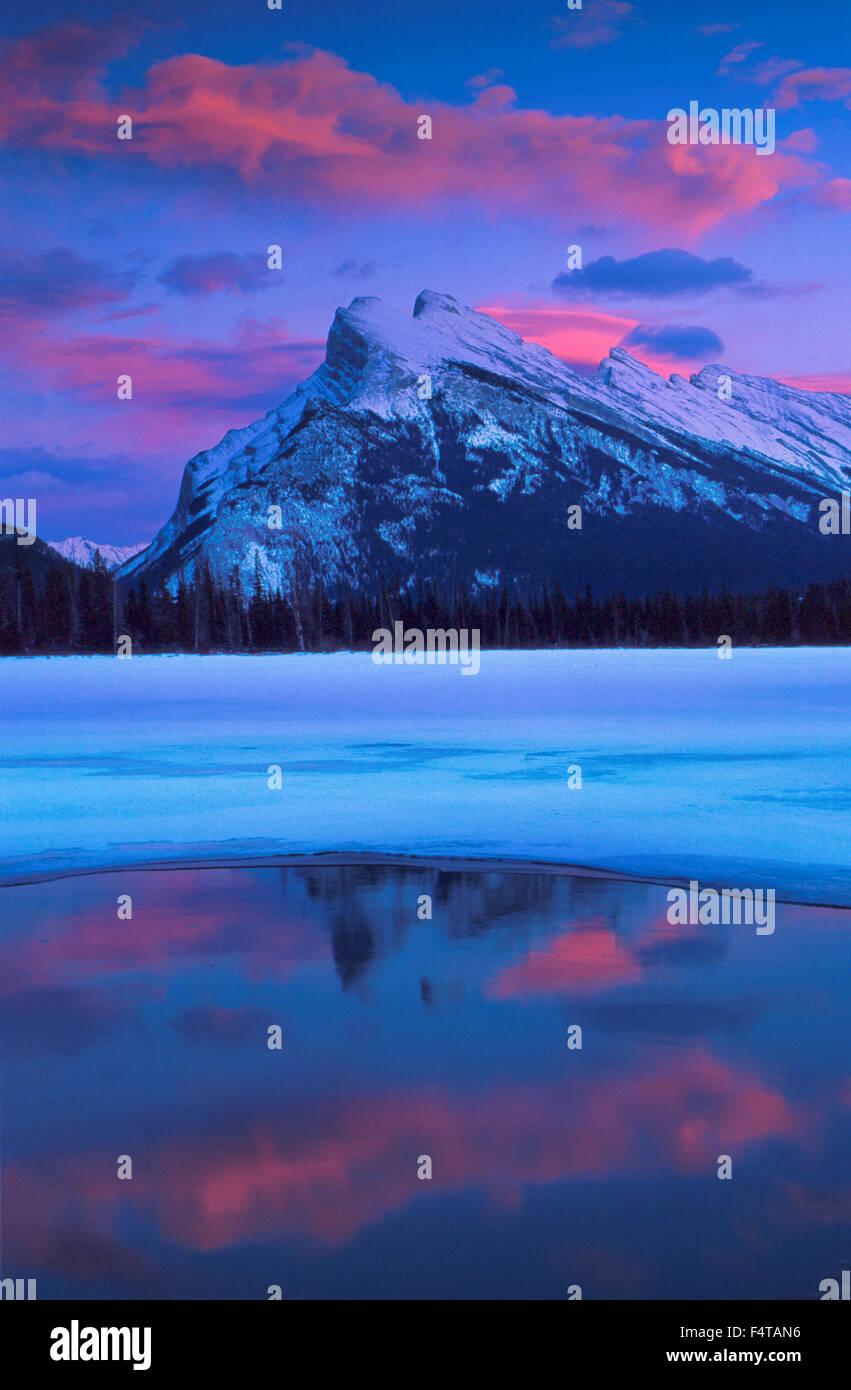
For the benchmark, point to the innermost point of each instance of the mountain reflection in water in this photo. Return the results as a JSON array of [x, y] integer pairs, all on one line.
[[404, 1037]]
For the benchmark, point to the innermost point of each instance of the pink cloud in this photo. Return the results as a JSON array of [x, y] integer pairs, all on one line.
[[209, 379], [601, 22], [821, 381], [485, 79], [79, 952], [325, 1172], [739, 54], [65, 59], [310, 126], [804, 140], [584, 958], [815, 84], [835, 194], [581, 337], [772, 69]]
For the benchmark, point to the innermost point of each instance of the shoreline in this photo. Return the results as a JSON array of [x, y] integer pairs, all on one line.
[[389, 859]]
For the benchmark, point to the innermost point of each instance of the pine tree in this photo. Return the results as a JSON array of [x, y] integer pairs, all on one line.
[[57, 612]]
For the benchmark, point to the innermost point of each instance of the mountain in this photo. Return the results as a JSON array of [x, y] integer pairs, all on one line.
[[35, 561], [677, 486], [82, 552], [27, 573]]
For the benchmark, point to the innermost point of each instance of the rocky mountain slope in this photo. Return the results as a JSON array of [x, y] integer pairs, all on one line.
[[441, 446]]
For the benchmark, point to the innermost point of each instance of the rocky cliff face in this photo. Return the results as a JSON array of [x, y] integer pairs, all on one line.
[[474, 481]]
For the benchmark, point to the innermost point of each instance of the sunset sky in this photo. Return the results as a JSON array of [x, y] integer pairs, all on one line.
[[299, 127]]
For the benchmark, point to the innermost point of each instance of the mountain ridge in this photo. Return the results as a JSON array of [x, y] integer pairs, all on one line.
[[82, 552], [441, 444]]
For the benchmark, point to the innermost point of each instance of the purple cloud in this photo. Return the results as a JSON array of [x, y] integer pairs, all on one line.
[[739, 54], [655, 274], [224, 270], [674, 340], [356, 270], [602, 22], [57, 282]]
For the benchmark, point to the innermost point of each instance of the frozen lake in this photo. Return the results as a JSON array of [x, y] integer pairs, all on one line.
[[443, 1035], [729, 771]]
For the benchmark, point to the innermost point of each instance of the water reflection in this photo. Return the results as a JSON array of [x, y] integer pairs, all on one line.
[[402, 1037]]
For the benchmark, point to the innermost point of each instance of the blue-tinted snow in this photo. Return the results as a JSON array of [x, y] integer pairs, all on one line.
[[735, 772]]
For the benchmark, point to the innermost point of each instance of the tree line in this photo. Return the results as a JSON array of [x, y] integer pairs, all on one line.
[[85, 611]]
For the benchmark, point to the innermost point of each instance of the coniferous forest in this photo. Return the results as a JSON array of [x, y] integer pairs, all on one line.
[[71, 610]]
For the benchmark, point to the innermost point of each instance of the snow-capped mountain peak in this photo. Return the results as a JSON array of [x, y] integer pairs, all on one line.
[[82, 552], [440, 443]]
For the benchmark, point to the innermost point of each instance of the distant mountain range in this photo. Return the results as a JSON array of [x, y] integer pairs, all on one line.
[[36, 560], [82, 552], [442, 447]]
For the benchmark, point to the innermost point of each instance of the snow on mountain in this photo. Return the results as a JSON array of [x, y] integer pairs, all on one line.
[[442, 446], [82, 552]]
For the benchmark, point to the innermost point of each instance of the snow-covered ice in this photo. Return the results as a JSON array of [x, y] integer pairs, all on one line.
[[734, 772]]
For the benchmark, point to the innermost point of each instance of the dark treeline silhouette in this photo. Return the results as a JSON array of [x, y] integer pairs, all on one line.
[[84, 611]]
